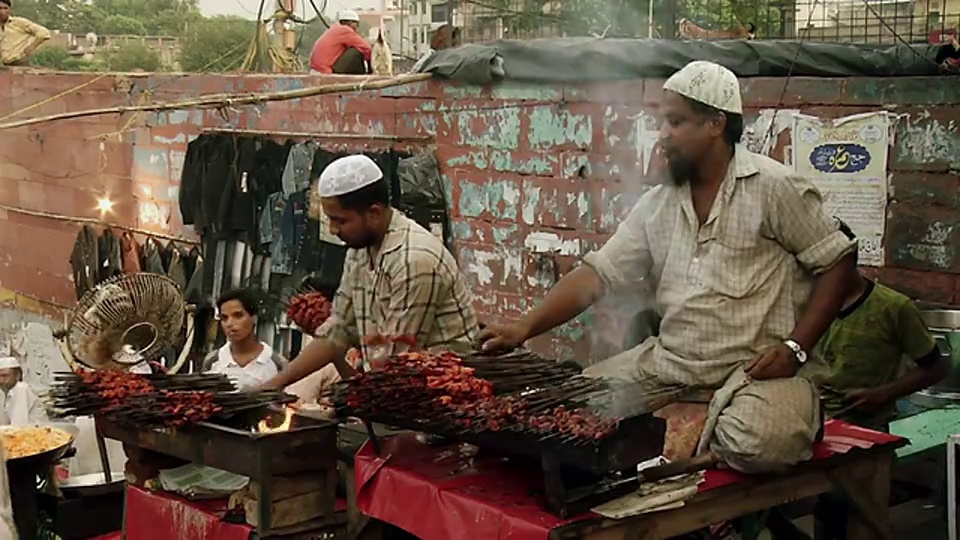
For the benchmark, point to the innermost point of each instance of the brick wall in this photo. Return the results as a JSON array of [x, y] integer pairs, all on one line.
[[527, 167]]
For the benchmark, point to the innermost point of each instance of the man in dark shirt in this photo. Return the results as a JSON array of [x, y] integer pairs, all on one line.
[[864, 347]]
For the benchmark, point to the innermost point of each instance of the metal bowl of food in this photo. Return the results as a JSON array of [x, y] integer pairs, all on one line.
[[34, 446]]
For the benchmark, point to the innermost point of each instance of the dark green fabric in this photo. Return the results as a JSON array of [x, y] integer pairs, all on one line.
[[865, 348], [578, 60]]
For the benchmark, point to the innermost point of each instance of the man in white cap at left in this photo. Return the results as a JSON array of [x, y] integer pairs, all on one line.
[[399, 280], [747, 271], [20, 405]]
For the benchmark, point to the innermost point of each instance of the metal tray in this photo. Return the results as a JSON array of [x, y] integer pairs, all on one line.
[[637, 439]]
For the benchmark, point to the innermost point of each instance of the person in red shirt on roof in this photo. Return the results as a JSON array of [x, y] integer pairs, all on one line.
[[341, 49]]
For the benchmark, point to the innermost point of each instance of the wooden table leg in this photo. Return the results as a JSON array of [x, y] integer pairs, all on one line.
[[356, 520], [867, 486]]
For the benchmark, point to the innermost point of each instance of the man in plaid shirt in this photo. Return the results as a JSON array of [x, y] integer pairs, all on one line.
[[398, 279], [747, 271]]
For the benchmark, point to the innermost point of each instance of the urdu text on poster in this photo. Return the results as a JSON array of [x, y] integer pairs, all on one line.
[[846, 158]]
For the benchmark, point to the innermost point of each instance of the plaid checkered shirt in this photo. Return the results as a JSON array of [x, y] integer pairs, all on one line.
[[412, 287]]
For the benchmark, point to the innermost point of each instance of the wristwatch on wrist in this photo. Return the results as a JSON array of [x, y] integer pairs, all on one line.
[[798, 351]]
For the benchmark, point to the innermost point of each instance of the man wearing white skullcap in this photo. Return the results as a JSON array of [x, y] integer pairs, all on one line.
[[20, 405], [746, 269], [399, 280]]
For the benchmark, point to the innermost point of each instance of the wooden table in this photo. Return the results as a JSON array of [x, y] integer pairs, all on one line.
[[864, 475]]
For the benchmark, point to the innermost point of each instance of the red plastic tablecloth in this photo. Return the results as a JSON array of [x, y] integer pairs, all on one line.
[[155, 515], [116, 535], [412, 480]]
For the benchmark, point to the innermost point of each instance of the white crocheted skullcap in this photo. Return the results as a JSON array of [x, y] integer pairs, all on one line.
[[708, 83], [9, 362], [348, 174]]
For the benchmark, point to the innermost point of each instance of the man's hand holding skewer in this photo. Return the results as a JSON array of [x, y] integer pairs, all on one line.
[[502, 338]]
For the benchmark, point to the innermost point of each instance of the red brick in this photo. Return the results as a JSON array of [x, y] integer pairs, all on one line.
[[368, 124], [480, 231], [652, 92], [487, 196], [923, 238], [497, 307], [614, 202], [770, 92], [550, 202], [606, 92], [32, 195], [929, 286], [60, 200], [364, 103], [920, 189], [451, 157], [9, 194], [11, 235], [418, 125], [927, 140], [492, 267], [413, 105]]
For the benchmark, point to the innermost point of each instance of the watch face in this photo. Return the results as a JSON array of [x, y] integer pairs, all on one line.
[[802, 356]]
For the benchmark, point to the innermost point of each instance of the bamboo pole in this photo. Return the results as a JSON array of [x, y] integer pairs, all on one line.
[[212, 101], [311, 135], [93, 221]]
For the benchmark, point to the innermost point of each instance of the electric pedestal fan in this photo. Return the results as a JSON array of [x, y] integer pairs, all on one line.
[[126, 321]]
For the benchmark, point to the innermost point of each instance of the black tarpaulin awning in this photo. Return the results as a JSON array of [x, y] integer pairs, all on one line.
[[577, 60]]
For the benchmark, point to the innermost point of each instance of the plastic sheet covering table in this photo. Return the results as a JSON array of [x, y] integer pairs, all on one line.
[[158, 515], [410, 480]]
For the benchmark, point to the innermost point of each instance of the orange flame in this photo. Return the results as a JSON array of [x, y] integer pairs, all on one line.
[[264, 427]]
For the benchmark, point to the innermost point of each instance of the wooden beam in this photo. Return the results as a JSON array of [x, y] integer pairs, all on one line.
[[752, 495]]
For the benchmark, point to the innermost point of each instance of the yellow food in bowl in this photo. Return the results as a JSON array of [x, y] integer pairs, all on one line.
[[29, 441]]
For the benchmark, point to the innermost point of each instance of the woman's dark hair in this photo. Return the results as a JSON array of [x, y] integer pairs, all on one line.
[[367, 196], [732, 131], [246, 297]]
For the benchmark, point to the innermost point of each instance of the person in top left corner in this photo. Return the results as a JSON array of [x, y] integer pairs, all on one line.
[[19, 405], [19, 37], [341, 49]]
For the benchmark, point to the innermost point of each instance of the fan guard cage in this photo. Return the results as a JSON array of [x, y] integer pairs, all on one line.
[[144, 311]]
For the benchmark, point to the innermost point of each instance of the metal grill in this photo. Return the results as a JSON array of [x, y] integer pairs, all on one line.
[[852, 21]]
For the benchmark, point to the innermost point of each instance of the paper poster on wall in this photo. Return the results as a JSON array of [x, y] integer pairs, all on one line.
[[846, 158]]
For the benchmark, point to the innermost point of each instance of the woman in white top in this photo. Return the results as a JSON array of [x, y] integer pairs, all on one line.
[[246, 360]]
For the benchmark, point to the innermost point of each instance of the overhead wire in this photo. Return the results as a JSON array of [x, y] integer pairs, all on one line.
[[896, 35], [786, 82]]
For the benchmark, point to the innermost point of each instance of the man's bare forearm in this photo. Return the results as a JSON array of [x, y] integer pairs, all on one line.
[[315, 356], [825, 303], [571, 296], [918, 378]]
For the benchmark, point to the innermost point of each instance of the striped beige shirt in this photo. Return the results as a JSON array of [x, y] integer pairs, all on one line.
[[412, 288], [732, 286]]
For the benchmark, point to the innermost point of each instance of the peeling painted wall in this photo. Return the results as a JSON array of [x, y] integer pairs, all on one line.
[[536, 176]]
